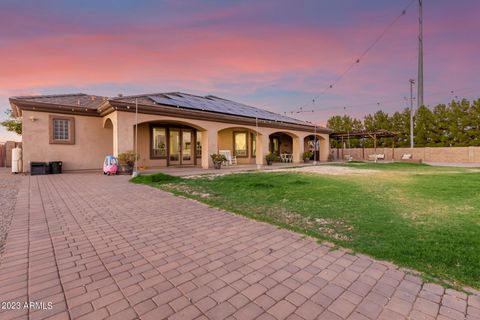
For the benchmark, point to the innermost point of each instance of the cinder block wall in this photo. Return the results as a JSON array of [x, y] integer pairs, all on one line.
[[434, 154]]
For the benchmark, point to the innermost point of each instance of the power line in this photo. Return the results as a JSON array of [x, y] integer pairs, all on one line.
[[453, 92], [357, 60]]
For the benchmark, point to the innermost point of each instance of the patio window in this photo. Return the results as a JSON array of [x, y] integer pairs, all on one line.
[[253, 137], [240, 144], [62, 130], [198, 144], [159, 143]]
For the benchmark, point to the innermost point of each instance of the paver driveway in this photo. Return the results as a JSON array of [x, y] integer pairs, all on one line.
[[98, 247]]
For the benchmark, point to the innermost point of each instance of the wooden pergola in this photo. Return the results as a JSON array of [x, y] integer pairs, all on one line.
[[364, 134]]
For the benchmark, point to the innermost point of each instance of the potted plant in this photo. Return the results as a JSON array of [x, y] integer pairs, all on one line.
[[127, 161], [307, 155], [218, 159], [270, 157]]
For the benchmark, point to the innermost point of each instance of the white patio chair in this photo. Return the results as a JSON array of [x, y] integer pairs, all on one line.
[[406, 156], [230, 159]]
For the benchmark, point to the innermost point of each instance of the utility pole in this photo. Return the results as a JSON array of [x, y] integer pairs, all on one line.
[[412, 82], [315, 146], [420, 55]]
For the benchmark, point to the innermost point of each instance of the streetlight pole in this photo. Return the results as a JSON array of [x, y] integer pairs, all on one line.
[[135, 171], [315, 146], [420, 55], [412, 82]]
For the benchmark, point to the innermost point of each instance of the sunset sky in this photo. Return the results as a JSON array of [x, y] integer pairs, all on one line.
[[273, 54]]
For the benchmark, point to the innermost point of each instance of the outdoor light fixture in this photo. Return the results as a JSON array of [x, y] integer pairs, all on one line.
[[33, 119]]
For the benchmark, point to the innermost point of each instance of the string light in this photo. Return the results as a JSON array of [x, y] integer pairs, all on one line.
[[357, 60]]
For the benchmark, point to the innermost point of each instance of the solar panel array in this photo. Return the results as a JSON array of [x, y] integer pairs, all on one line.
[[218, 105]]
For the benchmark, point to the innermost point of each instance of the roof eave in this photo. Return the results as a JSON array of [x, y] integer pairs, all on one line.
[[21, 104], [212, 116]]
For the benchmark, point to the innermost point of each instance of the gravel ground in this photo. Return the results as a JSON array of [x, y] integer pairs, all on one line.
[[8, 195]]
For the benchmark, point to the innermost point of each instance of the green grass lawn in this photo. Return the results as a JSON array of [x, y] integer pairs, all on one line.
[[418, 216]]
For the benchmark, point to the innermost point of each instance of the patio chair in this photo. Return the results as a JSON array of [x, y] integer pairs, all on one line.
[[230, 159], [286, 157], [380, 156], [406, 156]]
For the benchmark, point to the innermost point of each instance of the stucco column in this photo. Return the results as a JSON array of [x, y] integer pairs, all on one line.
[[209, 146], [297, 149], [262, 148], [263, 142], [123, 132], [324, 148]]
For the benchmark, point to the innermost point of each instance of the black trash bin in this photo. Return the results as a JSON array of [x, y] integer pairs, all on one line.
[[55, 167], [38, 168]]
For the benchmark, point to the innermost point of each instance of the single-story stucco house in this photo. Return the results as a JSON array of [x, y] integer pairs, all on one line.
[[174, 129]]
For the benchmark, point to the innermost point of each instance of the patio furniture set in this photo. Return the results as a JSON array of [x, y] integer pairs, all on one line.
[[232, 160]]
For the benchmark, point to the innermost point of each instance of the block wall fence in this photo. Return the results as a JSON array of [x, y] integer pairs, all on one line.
[[427, 154]]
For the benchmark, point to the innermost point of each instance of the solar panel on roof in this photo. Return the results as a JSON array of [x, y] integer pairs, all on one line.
[[218, 105]]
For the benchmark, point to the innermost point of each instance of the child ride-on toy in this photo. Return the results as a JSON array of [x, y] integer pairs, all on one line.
[[110, 165]]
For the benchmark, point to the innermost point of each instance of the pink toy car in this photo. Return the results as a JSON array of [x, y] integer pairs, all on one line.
[[110, 165]]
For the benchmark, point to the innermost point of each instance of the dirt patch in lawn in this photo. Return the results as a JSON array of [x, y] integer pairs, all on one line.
[[331, 170]]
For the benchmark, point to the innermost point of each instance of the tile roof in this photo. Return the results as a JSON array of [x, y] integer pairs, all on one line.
[[72, 100]]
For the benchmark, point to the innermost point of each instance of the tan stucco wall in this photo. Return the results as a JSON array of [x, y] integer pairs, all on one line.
[[225, 142], [97, 137], [92, 142], [213, 140], [144, 148]]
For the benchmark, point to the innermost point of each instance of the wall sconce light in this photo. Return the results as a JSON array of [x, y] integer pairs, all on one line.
[[33, 119]]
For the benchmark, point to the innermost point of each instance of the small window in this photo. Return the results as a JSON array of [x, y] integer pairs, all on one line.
[[159, 143], [198, 144], [240, 142], [254, 144], [62, 130]]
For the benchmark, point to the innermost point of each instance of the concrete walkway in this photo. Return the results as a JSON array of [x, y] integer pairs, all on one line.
[[86, 246]]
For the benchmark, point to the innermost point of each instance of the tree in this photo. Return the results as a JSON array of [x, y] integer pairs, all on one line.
[[455, 124], [379, 120], [424, 127], [345, 124], [13, 124], [441, 135], [400, 124]]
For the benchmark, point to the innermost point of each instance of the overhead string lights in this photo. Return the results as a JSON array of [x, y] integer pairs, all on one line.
[[354, 63]]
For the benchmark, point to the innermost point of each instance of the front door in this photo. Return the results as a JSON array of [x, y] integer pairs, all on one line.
[[187, 146], [180, 150]]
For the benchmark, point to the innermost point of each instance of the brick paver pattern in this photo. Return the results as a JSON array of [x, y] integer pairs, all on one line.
[[99, 247]]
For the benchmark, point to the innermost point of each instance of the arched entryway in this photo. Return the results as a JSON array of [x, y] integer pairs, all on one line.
[[108, 126], [313, 143], [167, 143], [240, 142], [285, 146]]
